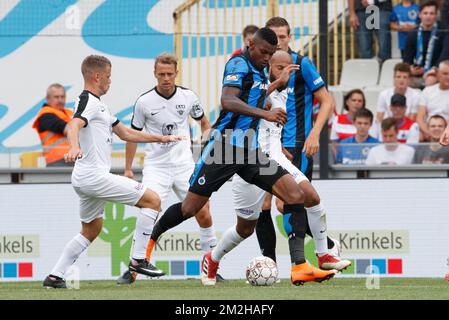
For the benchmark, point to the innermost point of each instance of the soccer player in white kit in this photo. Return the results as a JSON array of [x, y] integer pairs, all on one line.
[[248, 199], [165, 110], [90, 138]]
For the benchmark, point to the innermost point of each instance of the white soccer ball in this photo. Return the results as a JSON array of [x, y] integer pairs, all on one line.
[[262, 271]]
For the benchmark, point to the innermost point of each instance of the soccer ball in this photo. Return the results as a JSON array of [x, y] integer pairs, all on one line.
[[262, 271]]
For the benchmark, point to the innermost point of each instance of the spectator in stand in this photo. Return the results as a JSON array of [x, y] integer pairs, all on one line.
[[424, 46], [403, 19], [343, 124], [391, 152], [360, 21], [401, 82], [51, 125], [433, 153], [247, 34], [349, 151], [408, 130], [434, 100]]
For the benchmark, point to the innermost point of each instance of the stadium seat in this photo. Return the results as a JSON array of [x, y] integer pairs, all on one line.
[[355, 74], [395, 52], [31, 159], [359, 73], [386, 75], [371, 96]]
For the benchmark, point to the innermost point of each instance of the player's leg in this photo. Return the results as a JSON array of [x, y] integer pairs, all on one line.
[[181, 185], [91, 211], [272, 177], [318, 226], [248, 201], [207, 178], [266, 234], [230, 239], [305, 165]]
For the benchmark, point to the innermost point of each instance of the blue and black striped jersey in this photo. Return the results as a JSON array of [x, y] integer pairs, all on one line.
[[253, 83], [301, 86]]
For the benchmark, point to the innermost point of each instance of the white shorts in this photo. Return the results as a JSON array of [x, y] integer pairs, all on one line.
[[161, 180], [290, 167], [248, 198], [108, 187]]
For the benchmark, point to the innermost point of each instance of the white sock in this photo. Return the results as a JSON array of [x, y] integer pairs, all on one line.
[[70, 254], [317, 224], [146, 219], [229, 241], [208, 240]]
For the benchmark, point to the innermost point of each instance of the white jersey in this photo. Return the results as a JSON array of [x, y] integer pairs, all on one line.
[[167, 116], [270, 132], [95, 139]]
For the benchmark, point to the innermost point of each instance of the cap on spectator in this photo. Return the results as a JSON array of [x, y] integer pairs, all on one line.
[[398, 100]]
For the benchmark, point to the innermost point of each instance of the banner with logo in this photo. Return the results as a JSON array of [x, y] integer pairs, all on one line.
[[391, 227]]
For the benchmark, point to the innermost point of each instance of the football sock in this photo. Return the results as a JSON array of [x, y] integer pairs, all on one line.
[[228, 241], [171, 218], [317, 224], [266, 234], [295, 220], [208, 240], [144, 226], [70, 254]]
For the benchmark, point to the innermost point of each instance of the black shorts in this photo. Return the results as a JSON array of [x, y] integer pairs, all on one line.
[[219, 162], [303, 163]]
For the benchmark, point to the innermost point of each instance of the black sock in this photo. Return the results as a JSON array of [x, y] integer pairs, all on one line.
[[170, 219], [297, 219], [266, 235], [330, 243]]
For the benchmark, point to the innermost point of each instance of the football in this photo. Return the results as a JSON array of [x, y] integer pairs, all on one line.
[[262, 271]]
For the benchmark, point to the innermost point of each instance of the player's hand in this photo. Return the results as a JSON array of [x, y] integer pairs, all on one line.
[[416, 70], [444, 140], [312, 145], [276, 115], [172, 138], [365, 3], [354, 21], [129, 173], [73, 154], [285, 75]]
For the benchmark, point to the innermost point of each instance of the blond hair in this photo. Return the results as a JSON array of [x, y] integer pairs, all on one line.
[[166, 58], [94, 63]]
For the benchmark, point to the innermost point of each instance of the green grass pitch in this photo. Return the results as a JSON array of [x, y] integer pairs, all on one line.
[[340, 288]]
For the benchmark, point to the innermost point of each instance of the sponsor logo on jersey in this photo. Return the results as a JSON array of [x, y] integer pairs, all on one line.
[[317, 81], [232, 77], [169, 129]]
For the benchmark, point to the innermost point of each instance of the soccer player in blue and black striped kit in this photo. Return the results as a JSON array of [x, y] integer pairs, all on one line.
[[244, 91], [300, 139]]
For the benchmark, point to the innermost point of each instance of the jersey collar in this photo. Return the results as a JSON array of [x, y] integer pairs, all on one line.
[[87, 91], [166, 98]]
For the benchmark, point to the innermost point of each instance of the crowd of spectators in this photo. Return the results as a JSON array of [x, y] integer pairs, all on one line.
[[411, 115]]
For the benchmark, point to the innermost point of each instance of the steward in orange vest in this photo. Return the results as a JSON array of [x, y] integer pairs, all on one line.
[[50, 124]]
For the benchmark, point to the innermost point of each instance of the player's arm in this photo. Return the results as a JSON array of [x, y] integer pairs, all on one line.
[[73, 131], [327, 104], [230, 102], [131, 148], [131, 135]]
